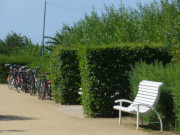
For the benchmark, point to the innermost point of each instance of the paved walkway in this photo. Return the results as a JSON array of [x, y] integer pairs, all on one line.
[[22, 114]]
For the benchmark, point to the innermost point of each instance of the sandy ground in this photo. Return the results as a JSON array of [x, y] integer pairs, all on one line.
[[22, 114]]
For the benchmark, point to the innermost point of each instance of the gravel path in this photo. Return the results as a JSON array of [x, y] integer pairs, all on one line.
[[22, 114]]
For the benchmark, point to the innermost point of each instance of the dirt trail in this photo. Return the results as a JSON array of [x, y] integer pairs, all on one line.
[[22, 114]]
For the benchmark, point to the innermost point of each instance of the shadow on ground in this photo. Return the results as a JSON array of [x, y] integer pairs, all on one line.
[[151, 127], [1, 131], [13, 117]]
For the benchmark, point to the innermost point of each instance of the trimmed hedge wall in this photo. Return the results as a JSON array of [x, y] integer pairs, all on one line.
[[105, 74], [169, 103], [3, 73], [65, 76]]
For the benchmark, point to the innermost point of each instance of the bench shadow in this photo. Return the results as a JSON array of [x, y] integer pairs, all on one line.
[[150, 127], [13, 117]]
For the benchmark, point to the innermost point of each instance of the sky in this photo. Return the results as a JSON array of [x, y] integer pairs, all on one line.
[[25, 17]]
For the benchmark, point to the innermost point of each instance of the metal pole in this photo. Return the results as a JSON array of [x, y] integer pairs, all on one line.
[[43, 29]]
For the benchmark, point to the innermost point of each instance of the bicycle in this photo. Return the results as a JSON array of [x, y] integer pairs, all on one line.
[[12, 77], [34, 82], [27, 81], [22, 76], [45, 87], [23, 79], [9, 79]]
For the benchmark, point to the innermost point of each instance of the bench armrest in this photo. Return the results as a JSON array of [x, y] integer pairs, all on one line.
[[123, 100]]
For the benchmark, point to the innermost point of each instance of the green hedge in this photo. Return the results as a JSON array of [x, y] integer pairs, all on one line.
[[105, 73], [65, 75], [3, 73], [31, 61], [169, 103]]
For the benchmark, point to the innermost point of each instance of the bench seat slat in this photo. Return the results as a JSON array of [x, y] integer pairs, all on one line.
[[146, 97], [152, 84], [147, 91], [144, 102], [148, 88]]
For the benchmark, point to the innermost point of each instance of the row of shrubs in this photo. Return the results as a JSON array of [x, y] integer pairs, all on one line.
[[169, 103], [108, 73], [101, 71]]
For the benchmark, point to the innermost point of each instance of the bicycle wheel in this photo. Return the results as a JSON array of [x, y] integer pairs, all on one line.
[[16, 86], [10, 84], [36, 88], [31, 91], [21, 84], [25, 87], [28, 88], [39, 91], [49, 91], [43, 91]]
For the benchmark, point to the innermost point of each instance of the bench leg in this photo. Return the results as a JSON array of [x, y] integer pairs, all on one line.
[[120, 114], [119, 117], [161, 124], [137, 126]]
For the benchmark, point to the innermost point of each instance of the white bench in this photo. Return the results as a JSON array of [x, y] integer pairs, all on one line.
[[144, 102]]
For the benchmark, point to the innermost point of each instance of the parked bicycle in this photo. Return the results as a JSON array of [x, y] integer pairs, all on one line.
[[25, 80], [45, 87], [34, 82], [12, 77], [22, 78]]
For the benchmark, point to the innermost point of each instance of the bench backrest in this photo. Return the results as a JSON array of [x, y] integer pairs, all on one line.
[[148, 93]]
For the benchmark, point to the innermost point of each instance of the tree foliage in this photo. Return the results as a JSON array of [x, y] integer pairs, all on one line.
[[155, 22], [16, 44], [13, 41]]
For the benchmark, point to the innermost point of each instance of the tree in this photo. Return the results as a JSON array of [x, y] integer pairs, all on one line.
[[3, 49], [14, 43]]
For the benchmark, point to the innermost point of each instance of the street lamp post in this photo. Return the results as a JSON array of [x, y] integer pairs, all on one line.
[[43, 29]]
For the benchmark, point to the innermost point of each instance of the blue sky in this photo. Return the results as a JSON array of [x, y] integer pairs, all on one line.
[[26, 16]]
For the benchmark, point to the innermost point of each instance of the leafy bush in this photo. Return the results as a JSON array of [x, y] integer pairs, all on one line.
[[65, 75], [154, 22], [169, 103], [104, 73]]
